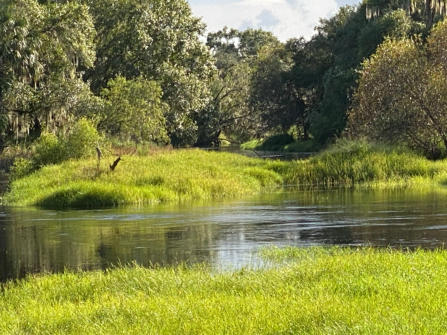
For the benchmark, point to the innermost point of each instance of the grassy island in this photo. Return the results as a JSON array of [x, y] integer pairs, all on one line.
[[306, 291], [191, 175], [172, 176]]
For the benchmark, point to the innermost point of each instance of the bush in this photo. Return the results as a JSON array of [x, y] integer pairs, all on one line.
[[80, 143], [277, 142], [82, 140], [48, 150], [21, 168]]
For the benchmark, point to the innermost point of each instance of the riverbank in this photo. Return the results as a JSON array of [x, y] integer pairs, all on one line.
[[195, 175], [307, 291]]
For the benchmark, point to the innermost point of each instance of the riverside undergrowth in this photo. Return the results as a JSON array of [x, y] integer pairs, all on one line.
[[195, 175], [306, 291]]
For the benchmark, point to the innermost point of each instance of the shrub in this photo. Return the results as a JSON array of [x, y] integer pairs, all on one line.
[[82, 140], [21, 168], [80, 143], [48, 150], [277, 142]]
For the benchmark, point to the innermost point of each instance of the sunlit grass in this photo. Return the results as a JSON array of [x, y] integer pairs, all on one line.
[[176, 176], [361, 164], [308, 291], [195, 175]]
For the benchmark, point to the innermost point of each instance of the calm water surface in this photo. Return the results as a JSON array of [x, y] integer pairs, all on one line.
[[223, 234]]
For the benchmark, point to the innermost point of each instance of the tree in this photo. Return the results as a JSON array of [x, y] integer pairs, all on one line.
[[43, 48], [157, 40], [430, 11], [325, 69], [402, 94], [274, 96], [230, 110], [134, 111]]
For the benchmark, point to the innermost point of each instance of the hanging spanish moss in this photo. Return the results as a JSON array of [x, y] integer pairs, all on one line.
[[429, 9]]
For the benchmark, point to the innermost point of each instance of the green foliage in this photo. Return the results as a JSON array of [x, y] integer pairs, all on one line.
[[303, 146], [395, 24], [229, 110], [21, 168], [157, 40], [401, 94], [272, 94], [325, 70], [305, 291], [82, 140], [232, 110], [48, 150], [80, 143], [134, 111], [44, 48], [283, 142], [252, 144], [276, 142]]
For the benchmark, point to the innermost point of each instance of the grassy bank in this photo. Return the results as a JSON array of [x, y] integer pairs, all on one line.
[[184, 175], [194, 175], [315, 291], [358, 164]]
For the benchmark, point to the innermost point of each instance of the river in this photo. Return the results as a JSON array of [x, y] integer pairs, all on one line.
[[224, 235]]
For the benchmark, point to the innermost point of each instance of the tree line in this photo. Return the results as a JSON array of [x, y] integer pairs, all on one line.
[[143, 71]]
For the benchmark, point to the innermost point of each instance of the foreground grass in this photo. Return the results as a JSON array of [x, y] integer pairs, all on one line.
[[309, 291], [194, 175]]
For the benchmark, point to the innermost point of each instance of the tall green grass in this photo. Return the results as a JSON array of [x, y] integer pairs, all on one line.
[[306, 291], [175, 176], [359, 163], [194, 175]]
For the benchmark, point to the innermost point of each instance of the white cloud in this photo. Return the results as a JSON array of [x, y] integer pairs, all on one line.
[[285, 18]]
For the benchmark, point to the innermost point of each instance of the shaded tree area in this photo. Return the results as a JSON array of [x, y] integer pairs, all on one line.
[[325, 69]]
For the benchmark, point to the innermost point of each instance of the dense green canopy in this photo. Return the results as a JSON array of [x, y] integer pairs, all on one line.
[[145, 71]]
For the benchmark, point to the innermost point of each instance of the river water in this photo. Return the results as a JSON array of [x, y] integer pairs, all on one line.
[[225, 235]]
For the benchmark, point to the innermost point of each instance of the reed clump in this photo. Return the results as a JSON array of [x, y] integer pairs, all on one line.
[[350, 164]]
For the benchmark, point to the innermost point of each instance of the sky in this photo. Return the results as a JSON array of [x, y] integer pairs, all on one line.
[[285, 18]]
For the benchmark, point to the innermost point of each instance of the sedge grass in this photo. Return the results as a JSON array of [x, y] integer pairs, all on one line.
[[307, 291]]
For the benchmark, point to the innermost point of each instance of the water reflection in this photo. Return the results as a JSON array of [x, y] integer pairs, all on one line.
[[224, 234]]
